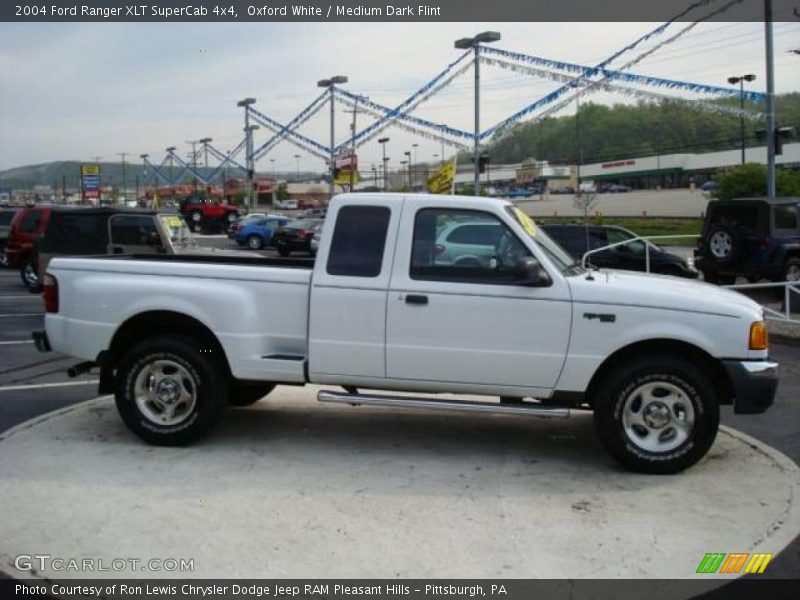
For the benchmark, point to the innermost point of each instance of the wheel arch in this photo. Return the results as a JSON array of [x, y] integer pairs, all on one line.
[[160, 322], [710, 365]]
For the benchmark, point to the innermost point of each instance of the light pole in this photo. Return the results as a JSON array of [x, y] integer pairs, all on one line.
[[382, 142], [403, 163], [415, 164], [124, 182], [408, 160], [251, 166], [770, 103], [474, 43], [248, 129], [170, 150], [740, 80], [274, 173], [297, 169], [329, 83]]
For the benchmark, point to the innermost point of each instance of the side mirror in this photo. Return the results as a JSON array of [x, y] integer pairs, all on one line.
[[531, 274]]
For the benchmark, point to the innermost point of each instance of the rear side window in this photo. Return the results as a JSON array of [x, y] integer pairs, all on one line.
[[75, 233], [785, 217], [30, 221], [358, 241]]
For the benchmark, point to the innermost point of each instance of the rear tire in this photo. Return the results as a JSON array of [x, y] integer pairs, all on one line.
[[254, 242], [29, 276], [791, 270], [656, 414], [168, 392], [246, 395]]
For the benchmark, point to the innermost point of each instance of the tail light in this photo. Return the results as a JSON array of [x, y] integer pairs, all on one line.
[[438, 249], [50, 293]]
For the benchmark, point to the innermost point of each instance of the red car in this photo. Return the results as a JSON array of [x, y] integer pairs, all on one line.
[[28, 225], [201, 212]]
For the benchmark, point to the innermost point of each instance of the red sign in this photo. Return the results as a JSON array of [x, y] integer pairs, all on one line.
[[346, 161], [619, 163]]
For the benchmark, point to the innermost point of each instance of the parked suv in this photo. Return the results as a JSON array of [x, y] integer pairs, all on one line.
[[27, 226], [201, 212], [6, 216], [628, 257], [752, 237]]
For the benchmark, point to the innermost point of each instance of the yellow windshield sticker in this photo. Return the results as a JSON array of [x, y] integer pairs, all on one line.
[[526, 222], [172, 222]]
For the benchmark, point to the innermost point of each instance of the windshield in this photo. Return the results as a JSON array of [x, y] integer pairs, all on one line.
[[557, 255], [177, 230]]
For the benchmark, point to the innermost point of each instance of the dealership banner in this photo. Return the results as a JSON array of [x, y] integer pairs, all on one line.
[[441, 182]]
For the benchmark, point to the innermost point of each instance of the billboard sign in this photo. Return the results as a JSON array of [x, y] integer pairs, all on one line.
[[90, 182]]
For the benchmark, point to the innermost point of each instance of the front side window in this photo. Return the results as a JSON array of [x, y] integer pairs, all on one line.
[[465, 246], [358, 241]]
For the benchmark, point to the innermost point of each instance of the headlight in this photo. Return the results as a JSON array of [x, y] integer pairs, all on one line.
[[759, 339]]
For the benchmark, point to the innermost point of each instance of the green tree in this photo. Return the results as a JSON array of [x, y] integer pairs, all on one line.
[[750, 180]]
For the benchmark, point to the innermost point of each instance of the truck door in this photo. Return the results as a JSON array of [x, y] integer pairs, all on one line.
[[347, 323], [467, 322]]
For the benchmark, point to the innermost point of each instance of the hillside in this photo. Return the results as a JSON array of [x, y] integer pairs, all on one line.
[[619, 131]]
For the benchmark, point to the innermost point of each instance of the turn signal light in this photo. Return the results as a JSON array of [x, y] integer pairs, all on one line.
[[759, 340], [50, 293]]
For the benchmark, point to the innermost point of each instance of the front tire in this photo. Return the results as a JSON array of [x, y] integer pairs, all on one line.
[[29, 276], [168, 392], [657, 414], [196, 221], [254, 242]]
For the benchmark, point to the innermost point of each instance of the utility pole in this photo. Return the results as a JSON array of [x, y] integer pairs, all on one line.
[[770, 108], [124, 181], [353, 140]]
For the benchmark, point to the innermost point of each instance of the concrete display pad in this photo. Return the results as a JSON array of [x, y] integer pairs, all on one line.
[[290, 488]]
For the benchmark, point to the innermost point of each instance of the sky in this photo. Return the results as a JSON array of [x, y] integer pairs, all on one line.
[[84, 90]]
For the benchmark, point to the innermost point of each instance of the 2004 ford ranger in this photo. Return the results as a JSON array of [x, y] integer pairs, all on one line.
[[423, 294]]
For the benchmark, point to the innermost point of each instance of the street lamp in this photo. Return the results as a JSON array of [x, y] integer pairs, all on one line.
[[408, 154], [274, 173], [415, 163], [297, 171], [474, 43], [740, 80], [245, 103], [382, 142], [170, 150], [329, 83], [403, 163]]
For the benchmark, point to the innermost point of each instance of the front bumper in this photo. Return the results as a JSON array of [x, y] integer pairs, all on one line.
[[41, 341], [753, 383]]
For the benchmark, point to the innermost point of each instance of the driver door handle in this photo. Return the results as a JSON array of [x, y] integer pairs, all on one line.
[[416, 299]]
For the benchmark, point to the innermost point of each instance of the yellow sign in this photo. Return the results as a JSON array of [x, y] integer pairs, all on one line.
[[441, 182], [343, 177], [172, 221], [90, 169], [526, 222]]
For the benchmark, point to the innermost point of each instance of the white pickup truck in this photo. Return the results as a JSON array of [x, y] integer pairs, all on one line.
[[423, 294]]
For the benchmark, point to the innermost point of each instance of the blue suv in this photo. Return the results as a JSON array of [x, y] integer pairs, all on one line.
[[752, 237], [257, 233]]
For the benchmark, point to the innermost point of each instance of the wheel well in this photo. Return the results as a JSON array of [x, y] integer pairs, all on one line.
[[709, 365], [162, 322]]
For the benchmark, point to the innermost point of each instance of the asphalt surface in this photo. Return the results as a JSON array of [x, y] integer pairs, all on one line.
[[32, 383]]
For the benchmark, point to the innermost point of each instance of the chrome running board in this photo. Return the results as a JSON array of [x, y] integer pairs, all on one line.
[[523, 408]]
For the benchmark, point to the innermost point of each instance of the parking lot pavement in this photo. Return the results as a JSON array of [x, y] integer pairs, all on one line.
[[31, 383], [362, 492]]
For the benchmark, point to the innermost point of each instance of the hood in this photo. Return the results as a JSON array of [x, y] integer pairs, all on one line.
[[661, 291]]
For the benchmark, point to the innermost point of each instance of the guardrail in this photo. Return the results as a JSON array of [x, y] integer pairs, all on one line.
[[647, 245]]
